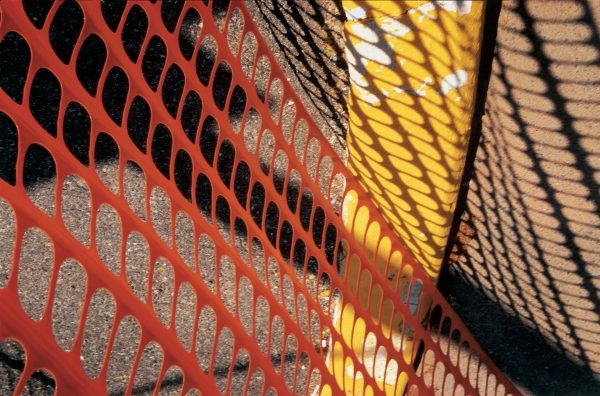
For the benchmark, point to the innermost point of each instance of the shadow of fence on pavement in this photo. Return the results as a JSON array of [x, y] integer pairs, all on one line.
[[530, 237]]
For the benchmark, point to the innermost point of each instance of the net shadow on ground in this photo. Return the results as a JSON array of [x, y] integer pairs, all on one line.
[[12, 364], [176, 380], [530, 237], [306, 36]]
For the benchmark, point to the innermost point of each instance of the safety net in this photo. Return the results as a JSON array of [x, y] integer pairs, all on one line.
[[173, 221]]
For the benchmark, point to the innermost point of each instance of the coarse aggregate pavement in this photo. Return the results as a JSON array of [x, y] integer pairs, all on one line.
[[306, 38]]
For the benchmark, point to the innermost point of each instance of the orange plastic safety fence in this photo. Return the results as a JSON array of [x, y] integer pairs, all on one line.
[[169, 220]]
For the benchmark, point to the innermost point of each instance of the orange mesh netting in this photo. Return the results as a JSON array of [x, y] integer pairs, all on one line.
[[170, 221]]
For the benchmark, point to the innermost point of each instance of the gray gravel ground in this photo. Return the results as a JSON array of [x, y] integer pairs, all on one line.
[[36, 257], [305, 36]]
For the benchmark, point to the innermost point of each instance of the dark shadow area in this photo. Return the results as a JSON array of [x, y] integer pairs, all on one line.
[[530, 237], [521, 353], [175, 380], [17, 364], [12, 364]]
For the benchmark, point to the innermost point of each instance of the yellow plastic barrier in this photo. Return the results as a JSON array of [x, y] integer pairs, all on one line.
[[413, 70]]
